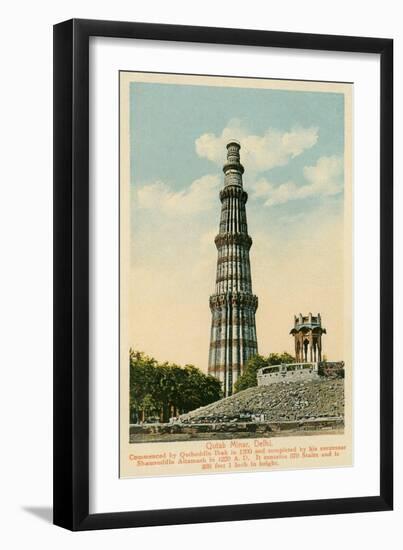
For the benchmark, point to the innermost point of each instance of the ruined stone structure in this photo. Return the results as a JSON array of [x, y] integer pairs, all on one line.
[[307, 332], [296, 372], [233, 306]]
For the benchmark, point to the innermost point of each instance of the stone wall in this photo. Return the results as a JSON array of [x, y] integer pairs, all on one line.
[[295, 372]]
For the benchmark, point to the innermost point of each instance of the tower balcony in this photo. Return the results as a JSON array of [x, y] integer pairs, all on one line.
[[226, 239], [233, 191], [233, 164], [237, 298]]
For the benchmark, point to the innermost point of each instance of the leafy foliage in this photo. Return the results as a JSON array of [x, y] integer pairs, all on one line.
[[159, 391], [248, 379]]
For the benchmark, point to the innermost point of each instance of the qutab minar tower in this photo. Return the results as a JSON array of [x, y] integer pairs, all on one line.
[[233, 328]]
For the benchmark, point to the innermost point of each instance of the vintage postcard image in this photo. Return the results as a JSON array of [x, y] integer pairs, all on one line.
[[235, 274]]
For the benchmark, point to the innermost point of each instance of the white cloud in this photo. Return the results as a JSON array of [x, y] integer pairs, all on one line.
[[327, 174], [258, 153], [199, 196], [325, 178]]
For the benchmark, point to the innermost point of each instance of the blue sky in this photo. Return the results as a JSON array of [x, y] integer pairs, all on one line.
[[292, 145], [166, 120]]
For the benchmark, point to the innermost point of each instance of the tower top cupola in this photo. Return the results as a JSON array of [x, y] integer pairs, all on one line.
[[307, 332], [233, 164]]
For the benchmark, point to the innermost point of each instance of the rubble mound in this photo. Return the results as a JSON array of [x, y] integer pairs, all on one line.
[[282, 401]]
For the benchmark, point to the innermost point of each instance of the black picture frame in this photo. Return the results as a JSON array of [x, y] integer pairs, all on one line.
[[72, 285]]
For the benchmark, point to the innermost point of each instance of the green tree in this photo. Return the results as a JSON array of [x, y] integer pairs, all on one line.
[[165, 390], [143, 378], [248, 379], [198, 389], [277, 358]]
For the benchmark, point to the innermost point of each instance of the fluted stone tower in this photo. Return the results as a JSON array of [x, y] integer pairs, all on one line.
[[233, 306]]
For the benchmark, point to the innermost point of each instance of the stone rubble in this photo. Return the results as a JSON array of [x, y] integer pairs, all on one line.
[[283, 401]]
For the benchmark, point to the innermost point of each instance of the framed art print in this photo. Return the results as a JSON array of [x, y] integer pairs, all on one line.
[[223, 274]]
